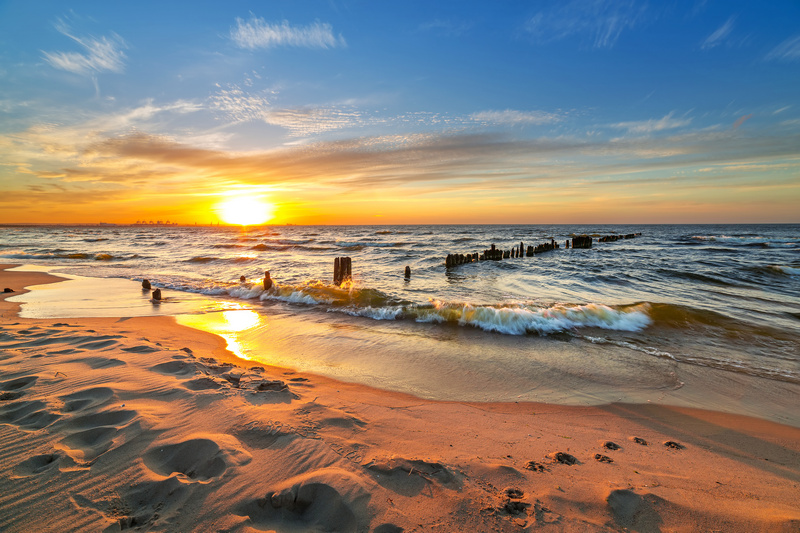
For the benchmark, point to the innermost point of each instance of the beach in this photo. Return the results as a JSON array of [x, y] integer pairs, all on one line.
[[140, 423]]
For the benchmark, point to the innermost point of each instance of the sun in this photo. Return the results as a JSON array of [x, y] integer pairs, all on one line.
[[245, 211]]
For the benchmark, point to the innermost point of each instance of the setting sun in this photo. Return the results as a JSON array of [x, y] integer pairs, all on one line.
[[245, 211]]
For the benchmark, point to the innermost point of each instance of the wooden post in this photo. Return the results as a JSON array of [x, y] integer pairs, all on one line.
[[342, 270], [267, 281], [157, 294], [408, 272], [146, 284]]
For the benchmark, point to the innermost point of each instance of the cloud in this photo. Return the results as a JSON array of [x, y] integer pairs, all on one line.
[[741, 120], [719, 36], [788, 50], [101, 54], [653, 125], [240, 106], [257, 33], [513, 118], [312, 120], [603, 21]]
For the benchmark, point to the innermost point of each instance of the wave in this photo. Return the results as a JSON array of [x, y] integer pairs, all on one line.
[[695, 276], [748, 240], [519, 320], [360, 245], [784, 270], [73, 255], [201, 259]]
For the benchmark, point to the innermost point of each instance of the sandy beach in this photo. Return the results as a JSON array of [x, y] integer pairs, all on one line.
[[108, 424]]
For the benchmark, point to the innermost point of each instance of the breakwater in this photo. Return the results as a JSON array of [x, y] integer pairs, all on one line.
[[496, 254]]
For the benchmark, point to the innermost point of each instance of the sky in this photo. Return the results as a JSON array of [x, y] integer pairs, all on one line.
[[357, 112]]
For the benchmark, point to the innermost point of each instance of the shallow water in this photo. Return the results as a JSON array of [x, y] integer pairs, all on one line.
[[659, 317]]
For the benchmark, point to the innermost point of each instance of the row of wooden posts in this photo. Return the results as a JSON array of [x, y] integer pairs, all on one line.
[[495, 254], [343, 266], [612, 238]]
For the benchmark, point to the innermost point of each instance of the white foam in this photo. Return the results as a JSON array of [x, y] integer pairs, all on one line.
[[522, 320], [246, 291], [376, 313]]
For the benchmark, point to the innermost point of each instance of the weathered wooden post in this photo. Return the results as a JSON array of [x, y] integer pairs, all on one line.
[[342, 270], [408, 272], [267, 281], [157, 294], [146, 285]]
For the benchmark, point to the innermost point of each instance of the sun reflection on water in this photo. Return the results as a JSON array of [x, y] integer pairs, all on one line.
[[228, 324]]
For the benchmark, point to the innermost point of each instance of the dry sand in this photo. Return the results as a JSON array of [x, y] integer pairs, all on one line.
[[143, 424]]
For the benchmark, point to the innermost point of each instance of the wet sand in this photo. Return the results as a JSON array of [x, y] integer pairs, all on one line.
[[141, 423]]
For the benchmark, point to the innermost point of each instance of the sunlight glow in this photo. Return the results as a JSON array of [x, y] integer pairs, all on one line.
[[240, 319], [245, 211]]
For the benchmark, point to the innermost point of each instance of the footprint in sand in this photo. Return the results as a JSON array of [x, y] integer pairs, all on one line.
[[78, 401], [115, 419], [18, 383], [30, 415], [511, 504], [35, 465], [143, 506], [91, 435], [564, 458], [305, 506], [204, 383], [199, 459], [175, 368], [86, 446], [410, 477]]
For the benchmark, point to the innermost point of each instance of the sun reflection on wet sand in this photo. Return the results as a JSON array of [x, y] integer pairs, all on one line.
[[229, 324]]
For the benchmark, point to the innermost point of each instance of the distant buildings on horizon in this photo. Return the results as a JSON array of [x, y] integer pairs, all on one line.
[[156, 223]]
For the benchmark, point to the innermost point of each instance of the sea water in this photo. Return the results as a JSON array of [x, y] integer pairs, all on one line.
[[688, 314]]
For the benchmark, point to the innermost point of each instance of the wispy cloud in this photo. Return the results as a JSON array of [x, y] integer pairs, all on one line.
[[603, 21], [239, 105], [258, 33], [100, 54], [788, 50], [667, 122], [719, 36], [306, 121], [513, 118]]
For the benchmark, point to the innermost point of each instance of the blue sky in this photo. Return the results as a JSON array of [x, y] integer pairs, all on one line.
[[378, 112]]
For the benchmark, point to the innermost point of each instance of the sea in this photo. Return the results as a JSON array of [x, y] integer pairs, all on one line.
[[691, 315]]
